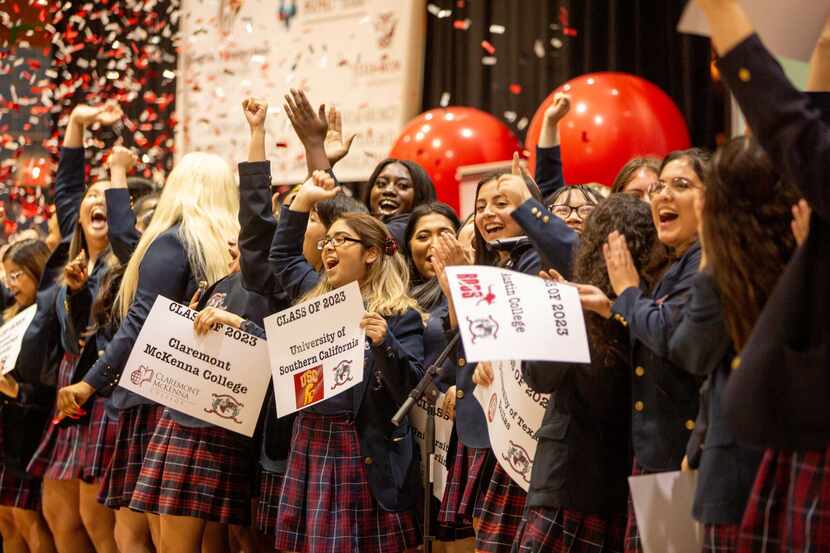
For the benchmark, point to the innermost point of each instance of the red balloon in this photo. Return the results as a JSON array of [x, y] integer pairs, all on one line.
[[613, 117], [441, 140]]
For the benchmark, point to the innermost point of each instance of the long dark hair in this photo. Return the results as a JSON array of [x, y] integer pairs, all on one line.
[[424, 188], [698, 158], [630, 169], [746, 231], [426, 292], [631, 217], [31, 256], [485, 255]]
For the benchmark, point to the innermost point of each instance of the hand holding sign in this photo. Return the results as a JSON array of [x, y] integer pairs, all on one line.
[[375, 326]]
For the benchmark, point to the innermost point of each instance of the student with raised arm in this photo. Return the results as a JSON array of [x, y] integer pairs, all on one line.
[[777, 396], [351, 481]]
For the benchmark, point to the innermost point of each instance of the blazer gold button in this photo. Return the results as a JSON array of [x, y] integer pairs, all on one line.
[[638, 406], [461, 361], [744, 75], [639, 371], [690, 425], [368, 460], [459, 394], [535, 210], [546, 219], [736, 362], [101, 353]]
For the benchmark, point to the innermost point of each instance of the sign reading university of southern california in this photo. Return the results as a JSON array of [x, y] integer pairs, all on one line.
[[220, 378], [316, 348]]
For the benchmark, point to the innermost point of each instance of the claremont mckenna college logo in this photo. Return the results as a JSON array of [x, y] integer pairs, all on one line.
[[226, 406], [141, 375]]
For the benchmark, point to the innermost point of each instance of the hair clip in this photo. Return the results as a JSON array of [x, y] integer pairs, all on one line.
[[390, 247]]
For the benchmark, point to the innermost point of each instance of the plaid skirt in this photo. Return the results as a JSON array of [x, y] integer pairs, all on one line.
[[60, 454], [632, 533], [100, 441], [467, 480], [134, 429], [720, 538], [21, 493], [501, 513], [567, 531], [789, 507], [270, 490], [195, 472], [326, 503]]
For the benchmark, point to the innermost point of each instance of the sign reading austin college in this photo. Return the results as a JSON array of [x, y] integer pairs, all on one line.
[[506, 315], [220, 378], [316, 348]]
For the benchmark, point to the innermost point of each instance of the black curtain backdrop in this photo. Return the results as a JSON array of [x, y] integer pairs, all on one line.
[[547, 42]]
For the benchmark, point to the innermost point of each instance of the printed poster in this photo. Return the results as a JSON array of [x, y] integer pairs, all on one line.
[[514, 414], [506, 315], [11, 338], [220, 378], [443, 432], [316, 348]]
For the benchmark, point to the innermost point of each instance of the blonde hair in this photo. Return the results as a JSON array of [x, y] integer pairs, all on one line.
[[385, 288], [200, 195]]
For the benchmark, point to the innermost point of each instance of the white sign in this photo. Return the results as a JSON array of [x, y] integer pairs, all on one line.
[[316, 348], [514, 414], [789, 29], [220, 378], [11, 338], [506, 315], [663, 506], [443, 433], [363, 56]]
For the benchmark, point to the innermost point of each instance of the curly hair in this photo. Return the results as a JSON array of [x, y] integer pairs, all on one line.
[[746, 231], [631, 217]]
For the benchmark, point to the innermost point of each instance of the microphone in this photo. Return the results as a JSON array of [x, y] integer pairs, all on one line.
[[426, 384]]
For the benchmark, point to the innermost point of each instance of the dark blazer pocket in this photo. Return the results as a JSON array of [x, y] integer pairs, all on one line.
[[550, 467], [806, 384]]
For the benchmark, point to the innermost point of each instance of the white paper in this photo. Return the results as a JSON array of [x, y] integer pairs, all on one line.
[[316, 348], [789, 29], [11, 338], [663, 506], [507, 315], [443, 432], [220, 378], [514, 414]]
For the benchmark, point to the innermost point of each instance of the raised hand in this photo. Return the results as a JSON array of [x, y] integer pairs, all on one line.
[[255, 110], [320, 186], [109, 114], [621, 270], [122, 157], [311, 127], [335, 144], [75, 274], [558, 109], [514, 186]]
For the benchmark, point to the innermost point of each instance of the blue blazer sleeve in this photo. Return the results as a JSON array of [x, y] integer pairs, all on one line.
[[700, 341], [164, 271], [73, 311], [401, 353], [69, 189], [787, 124], [295, 274], [554, 239], [549, 175], [257, 227], [121, 229]]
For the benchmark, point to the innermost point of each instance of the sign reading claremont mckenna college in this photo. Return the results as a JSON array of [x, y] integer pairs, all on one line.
[[363, 56], [220, 378], [506, 315], [316, 348]]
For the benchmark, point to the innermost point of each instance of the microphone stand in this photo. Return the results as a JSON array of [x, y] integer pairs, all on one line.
[[426, 388]]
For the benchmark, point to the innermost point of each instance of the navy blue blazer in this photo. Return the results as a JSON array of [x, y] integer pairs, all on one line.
[[121, 231], [388, 451], [664, 396], [702, 347], [779, 396], [553, 239], [549, 175], [470, 423]]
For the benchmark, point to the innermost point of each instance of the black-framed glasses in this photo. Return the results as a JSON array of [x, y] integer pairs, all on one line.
[[676, 185], [564, 211], [336, 241]]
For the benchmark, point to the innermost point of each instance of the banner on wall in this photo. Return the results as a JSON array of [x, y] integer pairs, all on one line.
[[220, 378], [514, 413], [363, 56], [503, 315], [316, 348]]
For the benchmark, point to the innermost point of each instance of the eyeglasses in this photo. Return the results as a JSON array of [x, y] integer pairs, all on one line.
[[677, 185], [564, 211], [14, 277], [336, 241]]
